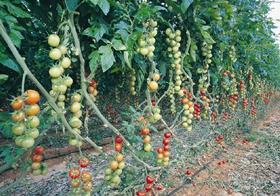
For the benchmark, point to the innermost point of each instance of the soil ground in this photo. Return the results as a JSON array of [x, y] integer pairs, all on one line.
[[249, 167]]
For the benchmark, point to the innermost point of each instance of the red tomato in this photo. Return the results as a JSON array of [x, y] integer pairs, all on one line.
[[118, 147], [118, 139], [159, 187], [165, 142], [150, 180], [83, 162], [160, 150], [39, 150], [74, 173], [188, 172], [167, 135], [148, 187], [145, 131]]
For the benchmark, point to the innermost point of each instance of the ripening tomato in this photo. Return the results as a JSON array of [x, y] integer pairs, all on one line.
[[32, 110], [160, 150], [86, 176], [39, 150], [119, 157], [75, 183], [35, 165], [141, 193], [166, 147], [32, 97], [33, 121], [87, 187], [76, 97], [118, 147], [114, 165], [147, 139], [37, 158], [17, 103], [83, 162], [74, 173], [18, 116], [145, 131]]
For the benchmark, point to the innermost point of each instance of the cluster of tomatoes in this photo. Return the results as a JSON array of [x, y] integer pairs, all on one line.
[[173, 39], [232, 53], [153, 82], [156, 116], [171, 93], [242, 89], [207, 53], [25, 120], [80, 178], [205, 102], [225, 116], [163, 153], [92, 89], [233, 99], [132, 81], [213, 115], [60, 83], [37, 166], [147, 139], [253, 109], [75, 121], [197, 111], [245, 103], [149, 186], [188, 113], [146, 43], [116, 166]]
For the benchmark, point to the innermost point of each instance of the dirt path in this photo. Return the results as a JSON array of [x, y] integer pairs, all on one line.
[[250, 167]]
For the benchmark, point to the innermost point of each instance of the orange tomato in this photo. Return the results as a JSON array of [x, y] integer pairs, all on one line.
[[32, 110], [17, 103], [32, 97]]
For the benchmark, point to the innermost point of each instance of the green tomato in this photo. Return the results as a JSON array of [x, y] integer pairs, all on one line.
[[18, 129]]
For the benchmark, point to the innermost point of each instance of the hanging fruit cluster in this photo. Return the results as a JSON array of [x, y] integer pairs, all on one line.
[[205, 103], [253, 109], [147, 147], [92, 89], [153, 81], [80, 178], [163, 153], [38, 168], [213, 115], [197, 111], [188, 112], [25, 120], [132, 81], [60, 83], [75, 121], [146, 43], [232, 54], [155, 116], [170, 94], [229, 84], [113, 172], [173, 39]]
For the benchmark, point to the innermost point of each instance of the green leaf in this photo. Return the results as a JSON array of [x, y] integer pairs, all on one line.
[[193, 49], [71, 4], [9, 63], [94, 61], [185, 5], [107, 57], [104, 6], [207, 37], [96, 31], [16, 11], [143, 13], [94, 2], [118, 45], [3, 78]]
